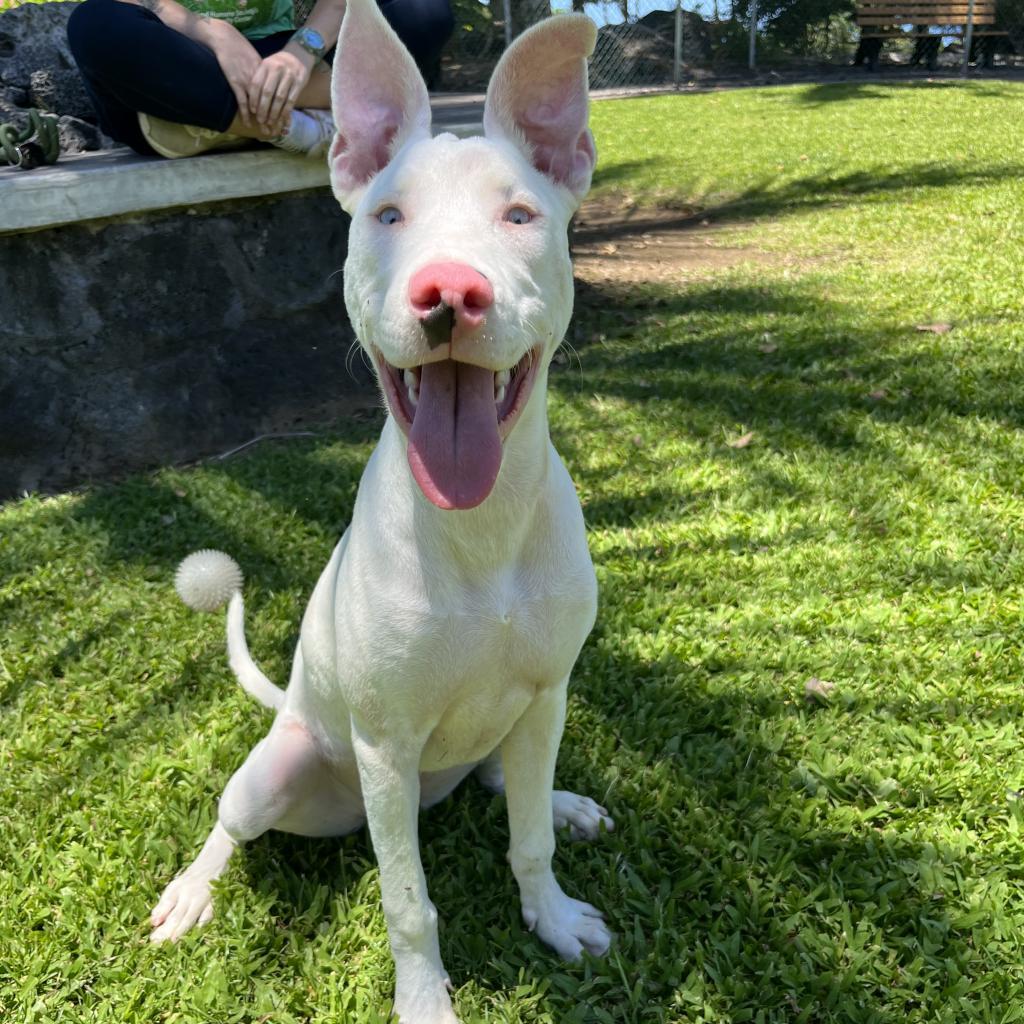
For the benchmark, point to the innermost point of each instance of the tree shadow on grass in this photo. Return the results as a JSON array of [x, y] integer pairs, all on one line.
[[889, 88], [831, 366], [153, 521], [774, 196]]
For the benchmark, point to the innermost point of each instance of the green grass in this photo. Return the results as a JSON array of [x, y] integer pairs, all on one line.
[[857, 859]]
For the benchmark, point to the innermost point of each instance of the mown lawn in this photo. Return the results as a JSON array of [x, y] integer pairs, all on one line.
[[785, 480]]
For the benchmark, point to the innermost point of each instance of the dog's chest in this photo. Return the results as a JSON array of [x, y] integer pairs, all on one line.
[[468, 661], [490, 659]]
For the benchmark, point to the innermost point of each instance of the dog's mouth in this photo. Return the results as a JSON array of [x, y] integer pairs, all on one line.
[[456, 416]]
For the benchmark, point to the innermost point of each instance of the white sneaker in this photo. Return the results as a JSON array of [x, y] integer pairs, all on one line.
[[176, 140], [309, 134]]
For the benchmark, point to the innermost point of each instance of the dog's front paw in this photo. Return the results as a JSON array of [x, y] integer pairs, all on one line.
[[583, 816], [569, 926], [186, 901]]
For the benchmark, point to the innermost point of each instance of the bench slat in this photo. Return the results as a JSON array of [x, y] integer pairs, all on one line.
[[914, 18], [918, 19], [897, 34], [923, 5], [955, 10], [927, 12]]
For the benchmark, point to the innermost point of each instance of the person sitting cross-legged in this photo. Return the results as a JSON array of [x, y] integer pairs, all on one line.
[[179, 77]]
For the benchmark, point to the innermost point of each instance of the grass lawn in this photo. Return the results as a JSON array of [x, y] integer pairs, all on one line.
[[784, 480]]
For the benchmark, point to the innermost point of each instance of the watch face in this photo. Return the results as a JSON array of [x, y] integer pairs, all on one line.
[[313, 38]]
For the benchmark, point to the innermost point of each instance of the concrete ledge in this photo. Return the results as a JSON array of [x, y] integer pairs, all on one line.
[[118, 182]]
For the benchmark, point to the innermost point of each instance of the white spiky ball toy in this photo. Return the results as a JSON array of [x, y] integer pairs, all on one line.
[[205, 580]]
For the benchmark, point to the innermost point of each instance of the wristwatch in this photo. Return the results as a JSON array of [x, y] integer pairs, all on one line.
[[311, 41]]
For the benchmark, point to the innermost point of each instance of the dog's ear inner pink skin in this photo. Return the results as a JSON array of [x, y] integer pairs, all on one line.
[[538, 96], [378, 98]]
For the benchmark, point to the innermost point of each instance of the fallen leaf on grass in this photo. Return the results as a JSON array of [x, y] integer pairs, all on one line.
[[817, 690], [936, 328], [743, 441]]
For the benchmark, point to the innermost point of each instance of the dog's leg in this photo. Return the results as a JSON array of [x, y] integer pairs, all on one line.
[[582, 816], [528, 753], [284, 784], [186, 901], [389, 773]]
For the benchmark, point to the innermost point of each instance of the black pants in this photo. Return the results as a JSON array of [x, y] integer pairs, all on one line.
[[131, 62]]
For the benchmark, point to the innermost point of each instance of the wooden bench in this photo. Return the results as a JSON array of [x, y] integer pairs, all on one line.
[[887, 19]]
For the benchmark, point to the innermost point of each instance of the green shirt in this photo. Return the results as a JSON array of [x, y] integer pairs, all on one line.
[[253, 18]]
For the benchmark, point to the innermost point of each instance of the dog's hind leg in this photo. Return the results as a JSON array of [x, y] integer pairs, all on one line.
[[584, 817], [284, 784]]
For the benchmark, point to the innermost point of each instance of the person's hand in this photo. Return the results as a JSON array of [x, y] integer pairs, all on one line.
[[237, 57], [275, 87]]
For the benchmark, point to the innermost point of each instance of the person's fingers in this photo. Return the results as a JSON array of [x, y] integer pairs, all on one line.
[[255, 88], [243, 102], [285, 87], [270, 86], [286, 110]]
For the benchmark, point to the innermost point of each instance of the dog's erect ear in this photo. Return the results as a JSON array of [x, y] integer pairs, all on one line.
[[538, 96], [378, 98]]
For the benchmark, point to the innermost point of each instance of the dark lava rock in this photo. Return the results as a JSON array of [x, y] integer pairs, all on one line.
[[37, 70]]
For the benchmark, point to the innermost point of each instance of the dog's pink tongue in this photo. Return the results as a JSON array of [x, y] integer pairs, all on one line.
[[454, 446]]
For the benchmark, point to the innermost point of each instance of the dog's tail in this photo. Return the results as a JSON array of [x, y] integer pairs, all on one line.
[[204, 581]]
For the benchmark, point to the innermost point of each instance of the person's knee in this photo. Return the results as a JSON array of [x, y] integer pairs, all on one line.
[[440, 24], [423, 25], [96, 32]]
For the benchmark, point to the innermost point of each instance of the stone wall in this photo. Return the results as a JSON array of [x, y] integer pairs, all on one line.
[[129, 343]]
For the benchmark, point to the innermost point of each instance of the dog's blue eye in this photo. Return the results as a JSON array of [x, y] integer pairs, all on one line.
[[390, 215], [518, 215]]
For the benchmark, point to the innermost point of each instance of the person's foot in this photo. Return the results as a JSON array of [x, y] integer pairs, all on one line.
[[176, 140], [309, 133]]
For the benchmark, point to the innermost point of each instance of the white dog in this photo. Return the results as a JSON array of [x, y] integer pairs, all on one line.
[[441, 634]]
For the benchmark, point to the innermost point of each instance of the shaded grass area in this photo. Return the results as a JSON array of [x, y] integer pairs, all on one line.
[[783, 480]]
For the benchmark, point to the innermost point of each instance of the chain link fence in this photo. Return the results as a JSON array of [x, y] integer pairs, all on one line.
[[664, 43]]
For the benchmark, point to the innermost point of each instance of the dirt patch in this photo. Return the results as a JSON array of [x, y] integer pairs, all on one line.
[[617, 242]]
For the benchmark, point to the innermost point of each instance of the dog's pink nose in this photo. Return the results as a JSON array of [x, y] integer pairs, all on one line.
[[464, 290]]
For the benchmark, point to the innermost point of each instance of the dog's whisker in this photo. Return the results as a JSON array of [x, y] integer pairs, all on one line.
[[573, 353]]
